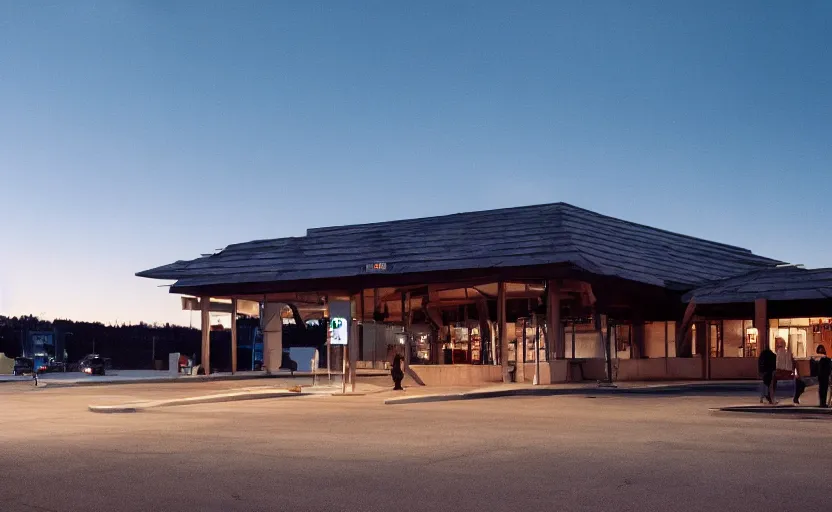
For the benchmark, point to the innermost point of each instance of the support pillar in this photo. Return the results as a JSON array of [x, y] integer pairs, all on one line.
[[355, 338], [761, 324], [272, 323], [520, 354], [573, 338], [702, 348], [205, 359], [485, 332], [600, 324], [233, 336], [557, 347], [406, 320], [501, 332]]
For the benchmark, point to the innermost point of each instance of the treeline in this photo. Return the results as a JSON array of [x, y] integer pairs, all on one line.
[[137, 346]]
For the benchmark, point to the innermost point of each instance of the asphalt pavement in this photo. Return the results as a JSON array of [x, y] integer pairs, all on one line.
[[632, 453]]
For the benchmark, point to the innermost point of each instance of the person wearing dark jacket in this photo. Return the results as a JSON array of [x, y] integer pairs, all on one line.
[[397, 373], [767, 365], [824, 370]]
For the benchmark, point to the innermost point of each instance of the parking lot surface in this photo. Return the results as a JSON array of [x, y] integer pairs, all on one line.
[[662, 453]]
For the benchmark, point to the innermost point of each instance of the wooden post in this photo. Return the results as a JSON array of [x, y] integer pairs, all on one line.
[[501, 326], [328, 318], [355, 340], [761, 323], [600, 324], [520, 355], [702, 348], [557, 347], [467, 332], [205, 362], [536, 380], [233, 336], [485, 331], [573, 338], [406, 329]]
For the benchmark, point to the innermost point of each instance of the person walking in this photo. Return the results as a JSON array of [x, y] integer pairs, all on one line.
[[397, 373], [786, 369], [824, 370], [767, 364]]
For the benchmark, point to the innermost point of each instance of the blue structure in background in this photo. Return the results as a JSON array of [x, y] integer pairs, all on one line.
[[255, 346], [42, 346]]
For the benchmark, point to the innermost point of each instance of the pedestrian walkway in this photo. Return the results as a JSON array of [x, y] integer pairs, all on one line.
[[426, 394]]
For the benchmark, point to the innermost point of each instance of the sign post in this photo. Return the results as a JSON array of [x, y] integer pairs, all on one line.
[[340, 317]]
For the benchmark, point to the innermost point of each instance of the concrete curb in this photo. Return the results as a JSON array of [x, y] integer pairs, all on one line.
[[792, 410], [676, 389], [207, 399], [181, 379]]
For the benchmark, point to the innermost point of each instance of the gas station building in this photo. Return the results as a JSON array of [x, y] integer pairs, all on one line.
[[547, 293]]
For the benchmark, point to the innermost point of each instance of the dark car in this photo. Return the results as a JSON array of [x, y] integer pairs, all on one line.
[[93, 365], [23, 366], [79, 366], [52, 366]]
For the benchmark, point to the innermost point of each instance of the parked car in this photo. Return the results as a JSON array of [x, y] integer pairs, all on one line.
[[93, 365], [52, 366], [23, 366], [83, 362]]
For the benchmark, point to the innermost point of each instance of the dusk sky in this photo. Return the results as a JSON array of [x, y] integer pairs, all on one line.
[[133, 134]]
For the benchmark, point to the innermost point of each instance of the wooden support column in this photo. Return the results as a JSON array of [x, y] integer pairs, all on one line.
[[272, 326], [406, 320], [355, 339], [702, 348], [520, 355], [233, 336], [485, 331], [501, 326], [557, 346], [573, 338], [205, 360], [600, 324], [761, 323]]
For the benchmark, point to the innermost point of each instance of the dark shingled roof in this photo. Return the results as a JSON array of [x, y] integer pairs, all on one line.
[[525, 236], [785, 283]]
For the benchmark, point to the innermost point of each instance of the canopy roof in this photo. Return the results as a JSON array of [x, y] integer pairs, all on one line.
[[526, 236], [777, 284]]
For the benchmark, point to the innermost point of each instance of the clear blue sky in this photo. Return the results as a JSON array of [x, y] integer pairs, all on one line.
[[133, 134]]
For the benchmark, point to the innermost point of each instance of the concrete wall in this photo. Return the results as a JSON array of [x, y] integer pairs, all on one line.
[[552, 372], [726, 368], [685, 368], [458, 374], [594, 369], [643, 369]]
